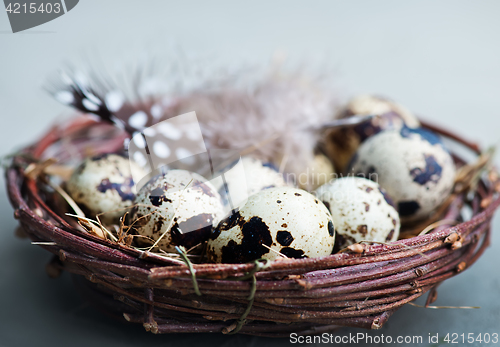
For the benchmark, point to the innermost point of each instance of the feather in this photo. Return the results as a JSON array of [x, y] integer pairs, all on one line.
[[271, 114], [76, 92], [274, 116]]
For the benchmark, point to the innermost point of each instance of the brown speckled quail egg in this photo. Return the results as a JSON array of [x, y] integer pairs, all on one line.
[[178, 207], [282, 220], [244, 178], [393, 115], [360, 211], [412, 165], [342, 143], [104, 184], [317, 173]]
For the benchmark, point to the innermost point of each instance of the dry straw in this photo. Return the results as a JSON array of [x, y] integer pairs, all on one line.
[[362, 286]]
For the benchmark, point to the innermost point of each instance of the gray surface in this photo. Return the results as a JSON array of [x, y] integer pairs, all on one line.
[[441, 59]]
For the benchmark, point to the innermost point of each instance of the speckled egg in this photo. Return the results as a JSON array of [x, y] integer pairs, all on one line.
[[179, 208], [412, 165], [282, 220], [317, 173], [104, 184], [342, 143], [360, 210], [244, 178], [394, 115]]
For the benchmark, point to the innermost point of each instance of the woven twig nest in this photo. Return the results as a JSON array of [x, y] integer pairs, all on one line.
[[362, 286]]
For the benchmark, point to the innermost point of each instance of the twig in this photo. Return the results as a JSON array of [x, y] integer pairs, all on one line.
[[110, 234], [33, 170], [68, 199], [438, 224], [395, 244], [444, 307], [275, 251]]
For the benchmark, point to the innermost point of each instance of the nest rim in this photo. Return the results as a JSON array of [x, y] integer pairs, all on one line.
[[408, 268]]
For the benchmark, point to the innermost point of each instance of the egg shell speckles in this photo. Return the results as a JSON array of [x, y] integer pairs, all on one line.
[[245, 178], [360, 211], [287, 220], [104, 184], [343, 143], [412, 165], [184, 216], [397, 115]]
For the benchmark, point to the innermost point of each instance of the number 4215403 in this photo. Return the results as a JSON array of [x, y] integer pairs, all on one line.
[[471, 338], [33, 8]]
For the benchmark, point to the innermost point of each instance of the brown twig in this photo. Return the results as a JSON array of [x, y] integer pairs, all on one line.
[[357, 288]]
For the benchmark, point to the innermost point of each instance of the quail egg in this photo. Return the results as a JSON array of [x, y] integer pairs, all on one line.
[[412, 165], [275, 222], [342, 143], [360, 210], [244, 178], [318, 172], [104, 185], [178, 208], [396, 115]]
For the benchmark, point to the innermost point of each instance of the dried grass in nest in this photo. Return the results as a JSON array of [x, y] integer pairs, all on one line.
[[359, 287]]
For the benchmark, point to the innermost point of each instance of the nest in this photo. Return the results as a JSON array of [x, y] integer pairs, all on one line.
[[361, 286]]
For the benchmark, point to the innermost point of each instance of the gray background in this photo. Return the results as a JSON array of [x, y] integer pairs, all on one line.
[[440, 59]]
